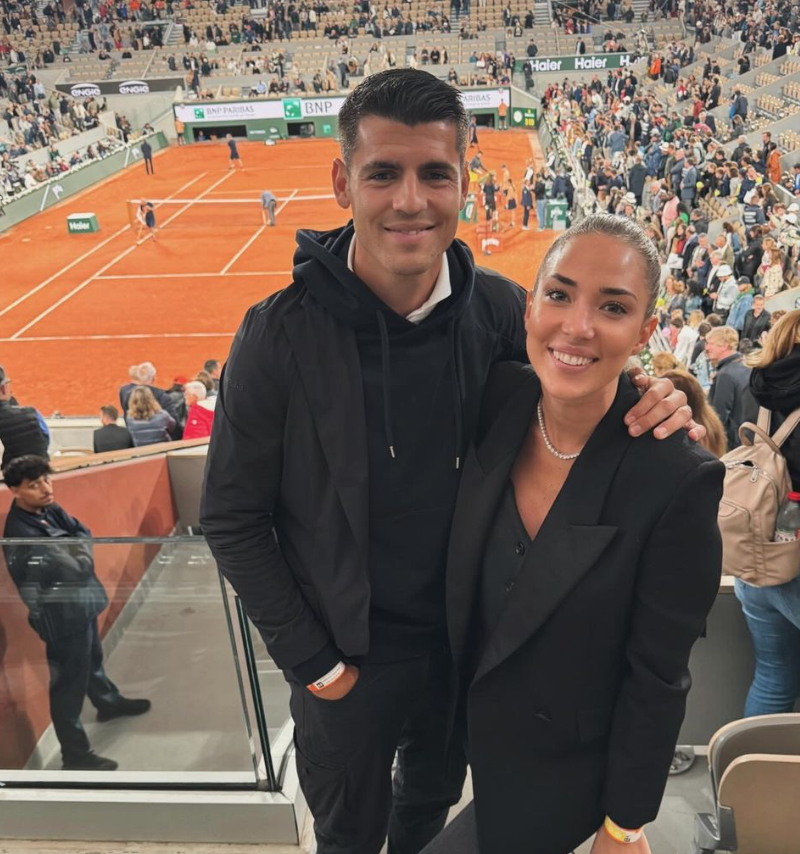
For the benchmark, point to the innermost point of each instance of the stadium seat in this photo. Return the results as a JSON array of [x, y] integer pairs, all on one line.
[[755, 776]]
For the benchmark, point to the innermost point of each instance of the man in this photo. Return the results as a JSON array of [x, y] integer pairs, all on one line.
[[345, 408], [724, 294], [58, 584], [502, 113], [730, 391], [742, 304], [268, 202], [526, 202], [147, 154], [200, 411], [234, 158], [689, 183], [111, 437], [756, 321], [213, 368], [739, 107], [636, 178], [145, 374], [476, 164], [20, 428]]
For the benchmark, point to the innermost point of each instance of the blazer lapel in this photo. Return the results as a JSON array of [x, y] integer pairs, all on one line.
[[570, 541], [335, 393], [486, 473]]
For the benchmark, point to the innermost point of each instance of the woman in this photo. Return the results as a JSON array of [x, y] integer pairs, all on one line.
[[773, 613], [678, 241], [714, 442], [147, 422], [663, 363], [771, 268], [570, 621], [146, 217], [687, 338], [774, 163]]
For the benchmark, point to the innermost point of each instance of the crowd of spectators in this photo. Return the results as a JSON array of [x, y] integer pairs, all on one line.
[[35, 119], [150, 414], [774, 24], [727, 235]]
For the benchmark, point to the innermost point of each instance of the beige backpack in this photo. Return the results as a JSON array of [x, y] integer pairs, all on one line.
[[756, 483]]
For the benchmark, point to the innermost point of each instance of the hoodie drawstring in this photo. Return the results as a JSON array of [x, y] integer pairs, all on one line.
[[386, 373], [451, 334], [387, 378]]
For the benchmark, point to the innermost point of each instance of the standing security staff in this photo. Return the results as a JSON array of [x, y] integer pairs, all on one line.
[[57, 582]]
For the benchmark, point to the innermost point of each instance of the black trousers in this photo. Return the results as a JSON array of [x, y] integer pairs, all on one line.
[[345, 750], [148, 165], [76, 671]]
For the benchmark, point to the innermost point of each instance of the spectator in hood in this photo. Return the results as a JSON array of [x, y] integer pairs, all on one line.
[[773, 613]]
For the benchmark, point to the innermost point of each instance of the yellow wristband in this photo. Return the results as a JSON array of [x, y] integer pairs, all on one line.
[[619, 834]]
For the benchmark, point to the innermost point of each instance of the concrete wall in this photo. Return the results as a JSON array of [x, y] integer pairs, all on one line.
[[141, 109]]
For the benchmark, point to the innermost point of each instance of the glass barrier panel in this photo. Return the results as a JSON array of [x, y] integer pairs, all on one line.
[[119, 656], [274, 696]]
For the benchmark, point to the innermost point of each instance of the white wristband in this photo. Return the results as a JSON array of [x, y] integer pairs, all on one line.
[[328, 679], [620, 834]]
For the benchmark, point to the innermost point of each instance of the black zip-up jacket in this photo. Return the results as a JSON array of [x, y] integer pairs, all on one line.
[[55, 580], [334, 460], [20, 432]]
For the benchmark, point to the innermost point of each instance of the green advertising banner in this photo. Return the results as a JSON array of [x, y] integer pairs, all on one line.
[[523, 117], [587, 62]]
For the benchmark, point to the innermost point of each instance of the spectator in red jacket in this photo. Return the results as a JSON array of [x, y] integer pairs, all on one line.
[[201, 411]]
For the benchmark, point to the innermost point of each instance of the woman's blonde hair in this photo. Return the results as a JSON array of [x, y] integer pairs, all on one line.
[[142, 406], [702, 411], [664, 362], [696, 317], [781, 340]]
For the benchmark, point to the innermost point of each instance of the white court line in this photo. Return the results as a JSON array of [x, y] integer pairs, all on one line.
[[251, 201], [250, 242], [244, 248], [117, 337], [192, 275], [253, 194], [102, 270], [86, 255]]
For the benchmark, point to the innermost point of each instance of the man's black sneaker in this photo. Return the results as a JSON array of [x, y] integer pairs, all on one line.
[[123, 708], [91, 762]]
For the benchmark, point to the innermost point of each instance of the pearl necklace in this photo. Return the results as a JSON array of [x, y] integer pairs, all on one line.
[[547, 443]]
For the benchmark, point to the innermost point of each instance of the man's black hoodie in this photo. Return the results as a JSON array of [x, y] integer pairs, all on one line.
[[412, 382], [336, 452]]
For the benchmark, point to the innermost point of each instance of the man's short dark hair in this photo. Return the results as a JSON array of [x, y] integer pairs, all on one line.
[[110, 411], [27, 467], [406, 95], [210, 365]]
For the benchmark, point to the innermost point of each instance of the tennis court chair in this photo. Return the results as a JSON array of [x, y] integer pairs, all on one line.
[[755, 776]]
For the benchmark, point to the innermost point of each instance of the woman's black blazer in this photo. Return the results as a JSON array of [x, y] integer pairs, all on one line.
[[574, 703]]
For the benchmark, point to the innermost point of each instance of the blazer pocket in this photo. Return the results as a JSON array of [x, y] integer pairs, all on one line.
[[594, 724]]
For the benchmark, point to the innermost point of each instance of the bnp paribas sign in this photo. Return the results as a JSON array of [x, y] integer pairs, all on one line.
[[587, 62]]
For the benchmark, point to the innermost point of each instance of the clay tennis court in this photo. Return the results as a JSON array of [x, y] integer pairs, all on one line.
[[77, 310]]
